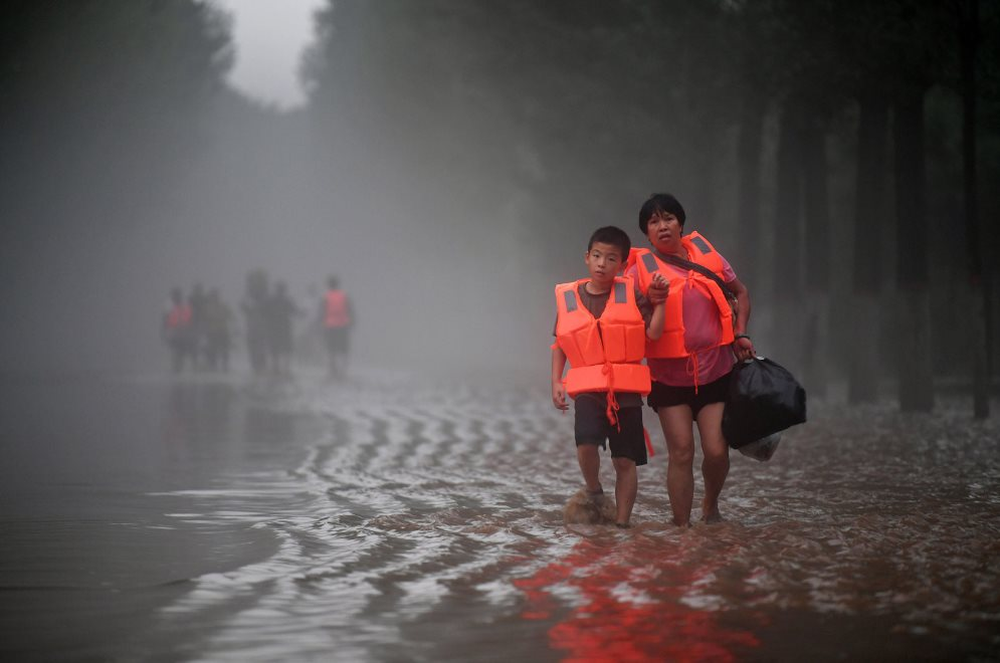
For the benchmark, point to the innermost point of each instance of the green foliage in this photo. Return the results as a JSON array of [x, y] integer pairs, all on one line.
[[94, 90]]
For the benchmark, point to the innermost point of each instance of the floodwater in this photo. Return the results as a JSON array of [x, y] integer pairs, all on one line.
[[388, 519]]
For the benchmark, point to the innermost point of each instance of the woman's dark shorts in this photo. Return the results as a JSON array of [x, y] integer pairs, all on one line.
[[592, 427], [665, 395]]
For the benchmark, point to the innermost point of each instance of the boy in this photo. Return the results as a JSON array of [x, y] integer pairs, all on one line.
[[601, 328]]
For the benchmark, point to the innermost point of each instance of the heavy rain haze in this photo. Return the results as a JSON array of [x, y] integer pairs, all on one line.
[[451, 159], [408, 498]]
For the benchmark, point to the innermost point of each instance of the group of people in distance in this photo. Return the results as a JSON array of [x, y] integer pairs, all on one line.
[[680, 307], [199, 329]]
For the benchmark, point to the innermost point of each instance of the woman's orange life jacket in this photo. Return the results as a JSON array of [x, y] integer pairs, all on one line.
[[179, 316], [671, 343], [336, 314], [605, 353]]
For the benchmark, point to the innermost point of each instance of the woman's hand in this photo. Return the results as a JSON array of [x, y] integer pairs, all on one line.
[[743, 348]]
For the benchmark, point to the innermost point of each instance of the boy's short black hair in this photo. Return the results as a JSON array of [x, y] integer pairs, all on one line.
[[660, 203], [614, 236]]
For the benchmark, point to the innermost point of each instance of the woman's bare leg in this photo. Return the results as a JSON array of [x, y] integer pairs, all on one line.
[[676, 423], [715, 464]]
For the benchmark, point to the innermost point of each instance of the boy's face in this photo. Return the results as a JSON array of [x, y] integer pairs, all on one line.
[[604, 261]]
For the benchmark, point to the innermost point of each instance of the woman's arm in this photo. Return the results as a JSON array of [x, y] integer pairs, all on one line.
[[743, 346]]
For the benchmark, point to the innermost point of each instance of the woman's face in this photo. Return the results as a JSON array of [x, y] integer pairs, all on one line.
[[664, 232]]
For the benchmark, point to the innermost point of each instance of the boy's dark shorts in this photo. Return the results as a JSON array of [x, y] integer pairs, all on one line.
[[665, 395], [592, 427]]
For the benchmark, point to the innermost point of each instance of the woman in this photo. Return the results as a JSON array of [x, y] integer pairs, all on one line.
[[691, 363]]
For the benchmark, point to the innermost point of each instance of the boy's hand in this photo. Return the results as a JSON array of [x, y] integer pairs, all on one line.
[[657, 293], [559, 395]]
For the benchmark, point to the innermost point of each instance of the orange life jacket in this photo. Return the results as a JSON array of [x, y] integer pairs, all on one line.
[[336, 309], [605, 353], [671, 343], [179, 316]]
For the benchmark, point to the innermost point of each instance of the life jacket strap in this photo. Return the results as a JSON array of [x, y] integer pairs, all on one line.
[[692, 368], [612, 410]]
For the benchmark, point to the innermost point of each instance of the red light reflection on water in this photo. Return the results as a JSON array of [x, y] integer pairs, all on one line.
[[627, 604]]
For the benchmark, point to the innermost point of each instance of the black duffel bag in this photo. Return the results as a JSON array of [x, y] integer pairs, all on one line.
[[764, 399]]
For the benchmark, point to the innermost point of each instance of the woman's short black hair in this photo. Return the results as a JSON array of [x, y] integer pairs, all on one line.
[[614, 236], [660, 203]]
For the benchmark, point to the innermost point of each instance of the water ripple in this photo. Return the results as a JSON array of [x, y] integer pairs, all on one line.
[[408, 521]]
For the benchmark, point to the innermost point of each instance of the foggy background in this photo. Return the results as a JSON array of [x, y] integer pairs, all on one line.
[[448, 160]]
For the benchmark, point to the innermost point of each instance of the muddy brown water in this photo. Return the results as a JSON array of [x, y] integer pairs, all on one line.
[[384, 519]]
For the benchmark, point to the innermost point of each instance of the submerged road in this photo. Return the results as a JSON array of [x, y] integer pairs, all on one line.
[[385, 518]]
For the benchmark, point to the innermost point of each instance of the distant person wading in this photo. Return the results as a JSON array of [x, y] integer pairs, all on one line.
[[177, 330], [337, 319], [279, 311]]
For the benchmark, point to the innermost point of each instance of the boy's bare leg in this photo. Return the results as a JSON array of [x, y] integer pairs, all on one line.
[[626, 488], [590, 466], [676, 422], [715, 466]]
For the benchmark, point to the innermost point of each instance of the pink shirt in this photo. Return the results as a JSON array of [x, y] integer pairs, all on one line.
[[701, 329]]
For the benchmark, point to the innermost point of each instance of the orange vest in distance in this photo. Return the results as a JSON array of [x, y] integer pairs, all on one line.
[[336, 310], [605, 353], [179, 316]]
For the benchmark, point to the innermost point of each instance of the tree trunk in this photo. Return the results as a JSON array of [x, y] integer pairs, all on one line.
[[817, 249], [703, 189], [788, 323], [968, 37], [747, 250], [916, 389], [870, 211]]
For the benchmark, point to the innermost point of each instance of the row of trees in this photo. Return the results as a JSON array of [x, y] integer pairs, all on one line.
[[777, 122], [104, 104], [832, 149]]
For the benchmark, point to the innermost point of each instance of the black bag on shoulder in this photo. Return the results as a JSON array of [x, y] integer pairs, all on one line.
[[764, 399]]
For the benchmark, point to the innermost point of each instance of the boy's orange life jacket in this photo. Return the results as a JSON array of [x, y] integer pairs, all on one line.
[[336, 309], [604, 353], [671, 343], [179, 316]]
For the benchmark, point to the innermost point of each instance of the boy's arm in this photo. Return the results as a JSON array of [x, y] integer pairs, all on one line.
[[655, 328], [558, 388], [657, 319]]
